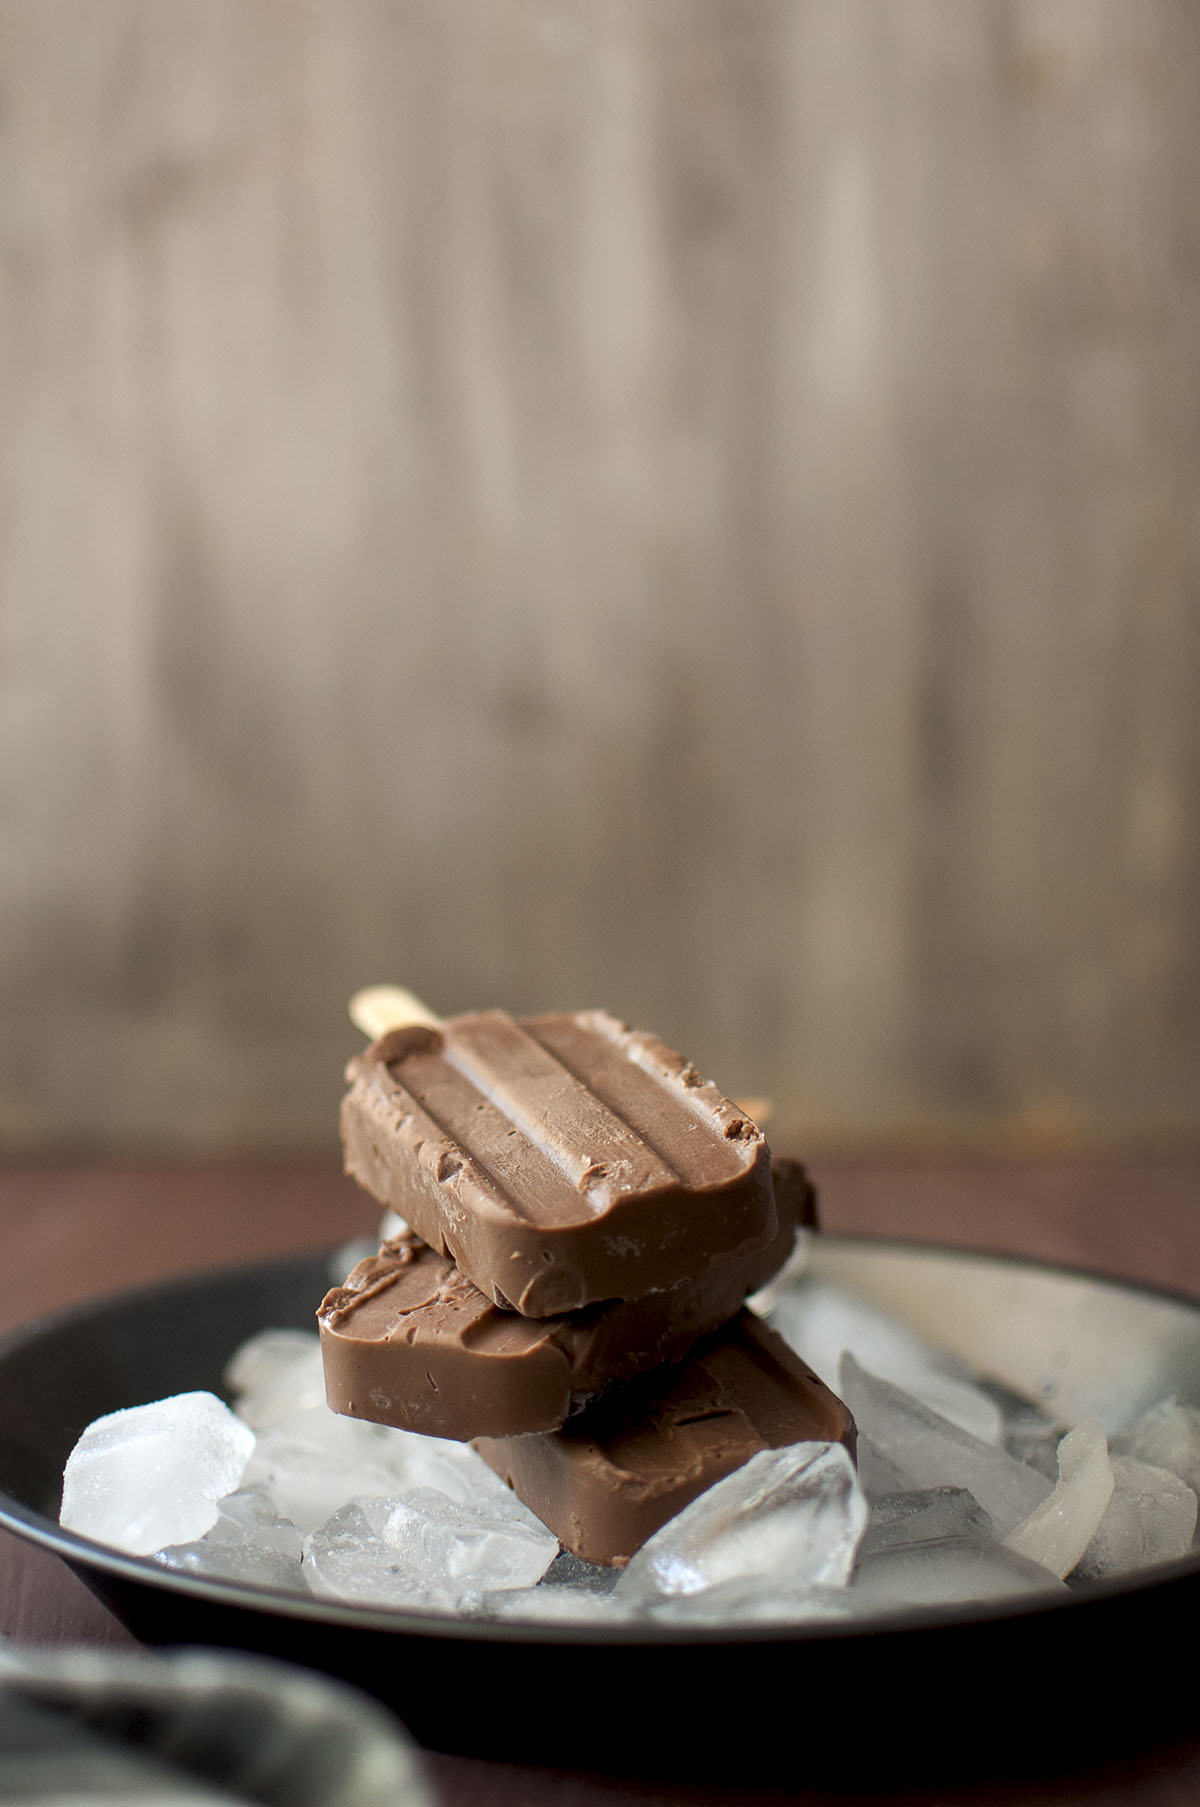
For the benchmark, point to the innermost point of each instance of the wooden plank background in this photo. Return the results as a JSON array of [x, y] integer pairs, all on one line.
[[682, 504]]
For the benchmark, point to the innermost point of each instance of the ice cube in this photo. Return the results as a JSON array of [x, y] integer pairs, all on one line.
[[1167, 1436], [947, 1571], [929, 1451], [249, 1543], [496, 1543], [426, 1550], [569, 1589], [822, 1322], [348, 1559], [1151, 1517], [791, 1514], [753, 1600], [152, 1474], [932, 1515], [314, 1461], [274, 1374], [1029, 1434], [878, 1475], [935, 1548], [1060, 1528], [238, 1564], [449, 1467], [553, 1606]]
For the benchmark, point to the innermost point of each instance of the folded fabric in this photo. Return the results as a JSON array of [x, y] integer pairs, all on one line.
[[196, 1729]]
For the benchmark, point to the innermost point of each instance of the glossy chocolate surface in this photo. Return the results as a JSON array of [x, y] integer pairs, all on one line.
[[559, 1160], [409, 1341]]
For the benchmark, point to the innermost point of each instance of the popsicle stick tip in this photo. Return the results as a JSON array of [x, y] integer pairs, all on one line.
[[378, 1008]]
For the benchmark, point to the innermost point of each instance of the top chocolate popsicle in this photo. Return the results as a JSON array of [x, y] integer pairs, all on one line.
[[558, 1159]]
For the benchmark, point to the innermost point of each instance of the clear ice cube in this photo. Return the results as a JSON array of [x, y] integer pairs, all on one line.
[[347, 1558], [451, 1468], [152, 1474], [1029, 1435], [249, 1543], [1167, 1436], [931, 1515], [425, 1550], [314, 1461], [793, 1514], [497, 1543], [570, 1589], [929, 1451], [753, 1600], [878, 1475], [262, 1359], [1150, 1518], [553, 1606], [946, 1572], [274, 1374]]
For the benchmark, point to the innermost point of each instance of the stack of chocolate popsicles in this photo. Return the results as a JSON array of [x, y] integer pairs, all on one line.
[[585, 1218]]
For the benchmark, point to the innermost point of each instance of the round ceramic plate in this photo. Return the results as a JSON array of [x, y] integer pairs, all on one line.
[[1059, 1678]]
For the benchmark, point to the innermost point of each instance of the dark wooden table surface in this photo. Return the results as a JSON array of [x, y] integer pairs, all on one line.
[[69, 1234]]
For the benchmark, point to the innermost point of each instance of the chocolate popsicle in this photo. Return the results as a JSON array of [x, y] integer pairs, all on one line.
[[559, 1160], [606, 1481], [409, 1341]]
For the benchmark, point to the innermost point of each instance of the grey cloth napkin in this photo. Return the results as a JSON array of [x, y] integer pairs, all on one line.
[[193, 1728]]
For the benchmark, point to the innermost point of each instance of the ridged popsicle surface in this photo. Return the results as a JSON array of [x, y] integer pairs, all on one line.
[[559, 1159]]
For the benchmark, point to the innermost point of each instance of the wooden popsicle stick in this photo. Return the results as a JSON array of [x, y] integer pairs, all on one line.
[[378, 1008]]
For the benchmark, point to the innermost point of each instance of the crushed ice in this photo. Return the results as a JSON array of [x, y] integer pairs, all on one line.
[[963, 1492]]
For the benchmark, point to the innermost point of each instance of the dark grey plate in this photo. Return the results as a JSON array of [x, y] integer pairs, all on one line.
[[996, 1686]]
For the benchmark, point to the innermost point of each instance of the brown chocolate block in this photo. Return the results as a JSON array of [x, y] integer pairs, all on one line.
[[606, 1481], [409, 1341], [558, 1160]]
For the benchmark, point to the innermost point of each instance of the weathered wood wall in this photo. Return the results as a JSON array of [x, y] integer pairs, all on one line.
[[683, 504]]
